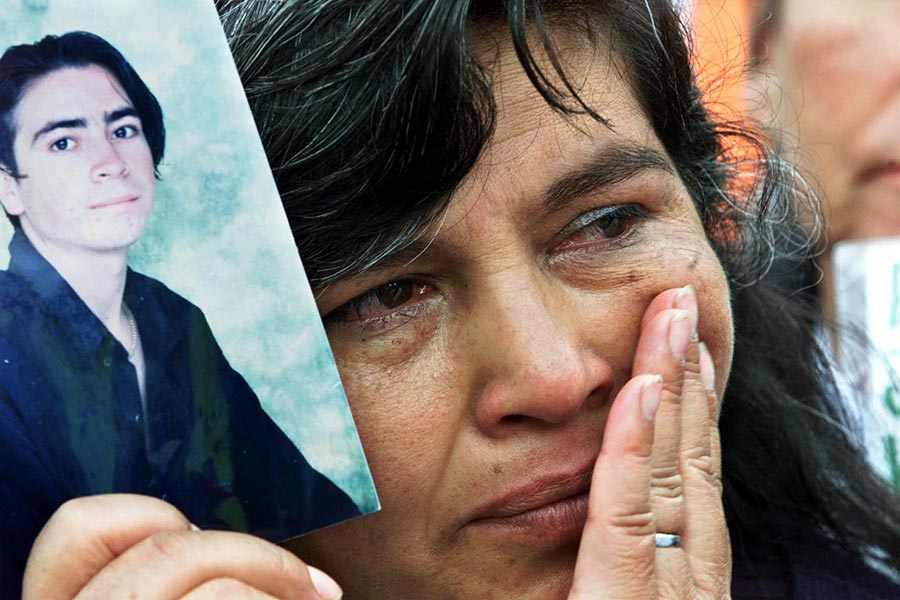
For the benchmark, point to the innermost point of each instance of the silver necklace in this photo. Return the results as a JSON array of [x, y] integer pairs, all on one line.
[[134, 332]]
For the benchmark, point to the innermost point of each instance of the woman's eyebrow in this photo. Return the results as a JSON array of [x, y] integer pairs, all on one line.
[[609, 165]]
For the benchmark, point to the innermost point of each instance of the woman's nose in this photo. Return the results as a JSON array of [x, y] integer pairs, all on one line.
[[534, 357]]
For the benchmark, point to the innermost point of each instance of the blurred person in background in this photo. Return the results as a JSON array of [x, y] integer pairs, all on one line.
[[827, 75]]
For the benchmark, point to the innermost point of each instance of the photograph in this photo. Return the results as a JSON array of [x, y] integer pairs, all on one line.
[[157, 333]]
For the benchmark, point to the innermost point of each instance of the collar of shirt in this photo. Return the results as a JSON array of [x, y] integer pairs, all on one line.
[[74, 318]]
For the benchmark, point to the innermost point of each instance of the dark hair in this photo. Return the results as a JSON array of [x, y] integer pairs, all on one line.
[[372, 113], [22, 65]]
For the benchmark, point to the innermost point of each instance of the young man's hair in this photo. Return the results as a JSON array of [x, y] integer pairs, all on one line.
[[22, 65]]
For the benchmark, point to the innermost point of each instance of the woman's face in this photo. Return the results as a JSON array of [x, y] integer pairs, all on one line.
[[480, 367]]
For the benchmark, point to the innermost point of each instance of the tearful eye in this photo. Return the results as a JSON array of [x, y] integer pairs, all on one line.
[[602, 226], [395, 294], [380, 302], [612, 225]]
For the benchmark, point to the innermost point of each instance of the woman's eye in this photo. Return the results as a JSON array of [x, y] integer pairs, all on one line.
[[62, 144], [381, 302], [603, 225], [611, 226]]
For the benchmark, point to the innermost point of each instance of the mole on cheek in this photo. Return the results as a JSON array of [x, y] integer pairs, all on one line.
[[694, 261]]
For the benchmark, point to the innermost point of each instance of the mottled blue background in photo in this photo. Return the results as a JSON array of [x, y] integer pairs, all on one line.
[[217, 234]]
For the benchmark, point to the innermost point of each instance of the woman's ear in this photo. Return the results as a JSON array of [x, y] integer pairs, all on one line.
[[9, 193]]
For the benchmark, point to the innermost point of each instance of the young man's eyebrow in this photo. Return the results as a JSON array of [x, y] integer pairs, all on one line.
[[608, 166], [54, 125], [120, 113]]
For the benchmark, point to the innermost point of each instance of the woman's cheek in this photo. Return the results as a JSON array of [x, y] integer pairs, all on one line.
[[715, 325], [617, 292], [689, 259], [404, 414], [387, 382], [387, 344]]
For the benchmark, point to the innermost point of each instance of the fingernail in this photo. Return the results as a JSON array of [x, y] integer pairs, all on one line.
[[325, 585], [194, 527], [707, 369], [686, 299], [651, 392], [679, 334]]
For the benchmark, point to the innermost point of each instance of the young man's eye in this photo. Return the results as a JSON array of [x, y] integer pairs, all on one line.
[[62, 144], [601, 226], [125, 131]]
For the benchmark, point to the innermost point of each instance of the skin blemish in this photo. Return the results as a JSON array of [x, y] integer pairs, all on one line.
[[695, 260]]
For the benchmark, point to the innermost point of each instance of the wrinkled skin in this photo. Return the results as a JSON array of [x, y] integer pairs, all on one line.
[[517, 330]]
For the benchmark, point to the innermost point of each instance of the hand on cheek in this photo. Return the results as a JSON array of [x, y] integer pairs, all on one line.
[[658, 472]]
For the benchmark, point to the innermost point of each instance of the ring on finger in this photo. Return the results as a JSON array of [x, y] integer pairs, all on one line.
[[668, 540]]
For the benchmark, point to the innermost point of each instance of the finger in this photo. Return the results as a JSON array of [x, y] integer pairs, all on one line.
[[226, 588], [663, 348], [84, 535], [173, 563], [696, 421], [705, 537], [708, 379], [661, 302], [616, 555], [668, 346], [706, 541], [324, 584]]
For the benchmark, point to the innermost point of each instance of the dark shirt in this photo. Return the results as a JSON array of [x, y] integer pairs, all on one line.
[[784, 563], [72, 423]]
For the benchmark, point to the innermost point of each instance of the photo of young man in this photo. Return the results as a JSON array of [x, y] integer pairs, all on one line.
[[110, 381]]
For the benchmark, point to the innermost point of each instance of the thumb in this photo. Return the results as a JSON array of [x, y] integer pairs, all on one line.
[[86, 534]]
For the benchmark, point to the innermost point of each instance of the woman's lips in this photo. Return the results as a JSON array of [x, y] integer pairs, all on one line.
[[551, 509]]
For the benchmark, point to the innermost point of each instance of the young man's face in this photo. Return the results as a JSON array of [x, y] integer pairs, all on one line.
[[89, 172]]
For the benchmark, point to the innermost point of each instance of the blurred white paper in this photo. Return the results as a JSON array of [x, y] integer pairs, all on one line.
[[867, 285]]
